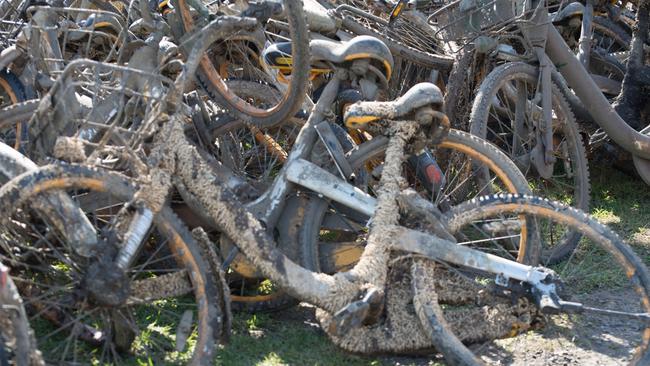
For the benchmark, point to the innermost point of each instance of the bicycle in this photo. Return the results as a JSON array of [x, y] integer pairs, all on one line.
[[545, 138], [189, 16], [325, 239], [355, 297], [334, 293], [149, 285]]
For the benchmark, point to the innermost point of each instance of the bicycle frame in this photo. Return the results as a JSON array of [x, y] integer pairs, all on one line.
[[588, 92], [550, 47], [298, 170]]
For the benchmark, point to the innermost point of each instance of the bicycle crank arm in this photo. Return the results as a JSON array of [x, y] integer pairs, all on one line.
[[353, 315]]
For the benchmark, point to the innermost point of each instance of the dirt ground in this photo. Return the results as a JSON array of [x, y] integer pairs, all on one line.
[[562, 340], [570, 341]]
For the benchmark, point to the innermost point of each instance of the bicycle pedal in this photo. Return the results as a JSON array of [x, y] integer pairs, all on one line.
[[357, 313]]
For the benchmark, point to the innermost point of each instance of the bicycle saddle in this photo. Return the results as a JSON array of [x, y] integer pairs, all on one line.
[[361, 113], [278, 55], [573, 9]]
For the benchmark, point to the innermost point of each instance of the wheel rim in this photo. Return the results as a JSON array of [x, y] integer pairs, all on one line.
[[72, 324]]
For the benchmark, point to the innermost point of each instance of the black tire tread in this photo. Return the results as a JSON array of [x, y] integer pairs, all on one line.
[[478, 126]]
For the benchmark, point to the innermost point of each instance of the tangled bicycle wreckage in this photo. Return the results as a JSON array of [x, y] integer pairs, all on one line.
[[399, 165]]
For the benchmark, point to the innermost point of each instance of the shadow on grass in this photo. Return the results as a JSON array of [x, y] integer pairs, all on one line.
[[292, 338], [623, 203]]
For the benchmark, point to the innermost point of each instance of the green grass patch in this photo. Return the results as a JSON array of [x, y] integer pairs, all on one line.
[[264, 339]]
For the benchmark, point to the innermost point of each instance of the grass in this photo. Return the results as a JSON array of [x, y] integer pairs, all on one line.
[[288, 339], [275, 339]]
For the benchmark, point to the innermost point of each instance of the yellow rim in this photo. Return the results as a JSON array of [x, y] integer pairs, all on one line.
[[12, 96]]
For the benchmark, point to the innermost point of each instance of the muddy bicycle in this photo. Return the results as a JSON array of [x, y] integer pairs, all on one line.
[[425, 278], [524, 106]]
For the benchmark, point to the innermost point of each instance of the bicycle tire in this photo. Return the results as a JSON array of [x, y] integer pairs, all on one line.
[[608, 241], [11, 87], [457, 94], [19, 112], [576, 152], [605, 26], [15, 330], [317, 208], [184, 251], [291, 102]]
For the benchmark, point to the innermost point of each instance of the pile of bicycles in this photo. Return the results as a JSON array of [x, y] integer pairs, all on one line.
[[417, 171]]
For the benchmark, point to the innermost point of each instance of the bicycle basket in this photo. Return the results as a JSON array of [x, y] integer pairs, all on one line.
[[465, 20], [60, 35], [99, 114], [11, 21], [405, 37]]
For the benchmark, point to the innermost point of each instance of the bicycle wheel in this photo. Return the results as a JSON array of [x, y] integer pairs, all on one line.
[[166, 307], [609, 36], [609, 46], [256, 154], [603, 273], [510, 93], [459, 89], [332, 236], [12, 92], [215, 67]]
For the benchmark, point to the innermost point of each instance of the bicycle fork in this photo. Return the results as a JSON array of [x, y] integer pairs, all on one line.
[[134, 237], [542, 155]]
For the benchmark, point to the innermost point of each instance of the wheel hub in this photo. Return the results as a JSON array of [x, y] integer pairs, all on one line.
[[106, 284]]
